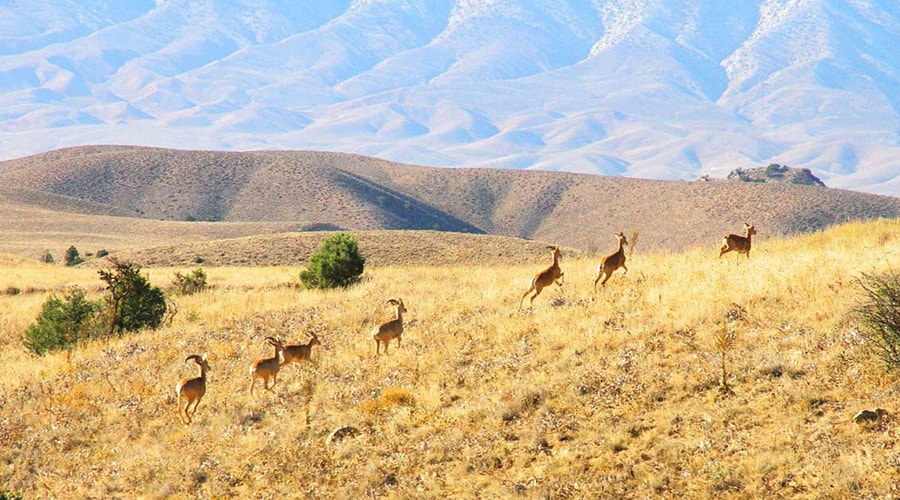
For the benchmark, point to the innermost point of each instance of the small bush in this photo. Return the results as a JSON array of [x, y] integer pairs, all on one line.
[[62, 323], [133, 302], [47, 258], [879, 316], [73, 258], [102, 253], [338, 263], [193, 282]]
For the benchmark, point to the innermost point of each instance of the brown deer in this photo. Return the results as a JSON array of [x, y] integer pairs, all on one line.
[[740, 244], [297, 353], [390, 330], [545, 278], [267, 368], [611, 262], [192, 389]]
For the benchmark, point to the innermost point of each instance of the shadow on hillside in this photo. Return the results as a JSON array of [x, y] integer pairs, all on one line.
[[407, 212]]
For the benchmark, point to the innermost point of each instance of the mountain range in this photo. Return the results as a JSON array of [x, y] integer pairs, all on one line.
[[657, 89]]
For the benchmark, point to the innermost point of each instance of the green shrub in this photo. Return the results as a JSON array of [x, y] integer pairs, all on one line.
[[102, 253], [72, 256], [47, 258], [338, 263], [10, 495], [879, 316], [193, 282], [62, 323], [133, 302]]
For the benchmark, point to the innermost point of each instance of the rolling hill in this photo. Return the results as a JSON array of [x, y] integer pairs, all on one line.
[[170, 197]]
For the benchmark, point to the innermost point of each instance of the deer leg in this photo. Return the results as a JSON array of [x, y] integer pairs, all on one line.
[[525, 295], [625, 268], [180, 414], [196, 405], [606, 278]]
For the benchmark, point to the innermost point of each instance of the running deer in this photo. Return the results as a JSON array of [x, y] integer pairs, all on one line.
[[267, 368], [298, 353], [192, 389], [545, 278], [611, 262]]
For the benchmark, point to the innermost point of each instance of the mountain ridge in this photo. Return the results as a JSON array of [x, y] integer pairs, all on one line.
[[649, 89]]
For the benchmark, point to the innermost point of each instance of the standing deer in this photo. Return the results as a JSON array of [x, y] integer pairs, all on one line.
[[267, 368], [611, 262], [390, 330], [740, 244], [192, 389], [545, 278]]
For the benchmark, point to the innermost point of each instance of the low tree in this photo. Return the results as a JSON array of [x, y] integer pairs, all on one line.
[[338, 263], [133, 302], [62, 323]]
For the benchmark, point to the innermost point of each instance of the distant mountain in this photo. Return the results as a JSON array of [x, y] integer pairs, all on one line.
[[296, 190], [663, 89]]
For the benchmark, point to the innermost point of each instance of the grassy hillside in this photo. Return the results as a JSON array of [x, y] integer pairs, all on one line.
[[341, 191], [585, 396]]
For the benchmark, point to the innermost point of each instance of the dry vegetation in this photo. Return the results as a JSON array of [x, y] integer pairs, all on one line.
[[616, 395]]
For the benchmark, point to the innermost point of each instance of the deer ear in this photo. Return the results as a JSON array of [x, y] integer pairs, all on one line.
[[203, 357]]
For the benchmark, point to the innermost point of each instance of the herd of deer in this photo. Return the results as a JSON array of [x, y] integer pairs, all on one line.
[[192, 390]]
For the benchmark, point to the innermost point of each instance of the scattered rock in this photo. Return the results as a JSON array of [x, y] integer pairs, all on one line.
[[865, 416], [341, 433]]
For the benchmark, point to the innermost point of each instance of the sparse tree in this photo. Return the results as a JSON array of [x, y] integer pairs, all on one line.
[[338, 263]]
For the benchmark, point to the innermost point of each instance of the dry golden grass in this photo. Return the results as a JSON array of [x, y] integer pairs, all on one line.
[[584, 397]]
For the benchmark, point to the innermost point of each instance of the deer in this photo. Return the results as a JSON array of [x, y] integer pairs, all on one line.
[[390, 330], [267, 368], [611, 262], [297, 353], [740, 244], [545, 278], [192, 389]]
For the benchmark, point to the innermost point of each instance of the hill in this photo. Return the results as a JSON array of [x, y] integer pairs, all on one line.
[[617, 394], [264, 192]]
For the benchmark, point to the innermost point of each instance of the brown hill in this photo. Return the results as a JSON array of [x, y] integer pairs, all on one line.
[[294, 190]]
